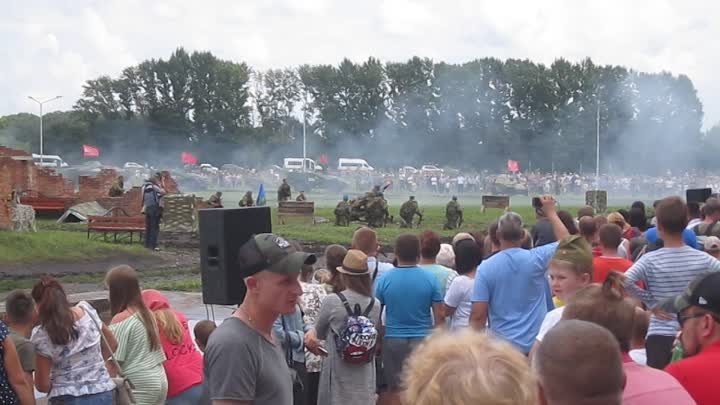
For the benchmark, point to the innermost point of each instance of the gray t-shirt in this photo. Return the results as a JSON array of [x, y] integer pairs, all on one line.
[[543, 233], [241, 365]]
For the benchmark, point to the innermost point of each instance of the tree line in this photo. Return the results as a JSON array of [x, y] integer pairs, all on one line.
[[471, 115]]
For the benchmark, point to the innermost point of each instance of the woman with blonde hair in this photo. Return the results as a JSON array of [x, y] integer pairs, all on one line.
[[184, 364], [468, 368], [139, 351]]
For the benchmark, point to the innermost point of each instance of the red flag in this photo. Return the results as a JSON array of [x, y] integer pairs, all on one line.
[[324, 160], [188, 158], [90, 151], [513, 166]]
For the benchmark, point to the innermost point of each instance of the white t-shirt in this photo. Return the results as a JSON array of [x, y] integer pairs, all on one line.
[[459, 294], [639, 356], [551, 319]]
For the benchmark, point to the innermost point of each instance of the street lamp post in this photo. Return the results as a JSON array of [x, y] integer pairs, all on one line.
[[40, 103]]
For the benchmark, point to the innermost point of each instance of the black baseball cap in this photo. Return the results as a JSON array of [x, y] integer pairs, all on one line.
[[267, 251], [702, 292]]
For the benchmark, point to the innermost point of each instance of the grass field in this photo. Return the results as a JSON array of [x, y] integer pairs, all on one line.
[[46, 245]]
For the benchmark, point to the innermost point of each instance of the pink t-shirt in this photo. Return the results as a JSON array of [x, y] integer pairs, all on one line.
[[648, 386]]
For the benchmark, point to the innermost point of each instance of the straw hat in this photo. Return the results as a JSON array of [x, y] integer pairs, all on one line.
[[355, 263]]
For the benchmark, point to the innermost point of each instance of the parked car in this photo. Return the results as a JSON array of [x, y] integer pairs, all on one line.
[[133, 165]]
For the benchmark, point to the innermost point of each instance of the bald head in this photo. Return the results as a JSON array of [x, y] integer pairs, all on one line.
[[579, 363]]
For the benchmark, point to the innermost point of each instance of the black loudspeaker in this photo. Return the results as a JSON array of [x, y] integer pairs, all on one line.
[[698, 195], [222, 232]]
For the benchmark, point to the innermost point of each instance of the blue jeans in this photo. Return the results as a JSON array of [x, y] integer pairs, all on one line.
[[190, 396], [103, 398]]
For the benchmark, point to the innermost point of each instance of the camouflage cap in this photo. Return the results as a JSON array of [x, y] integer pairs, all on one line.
[[576, 250], [270, 252]]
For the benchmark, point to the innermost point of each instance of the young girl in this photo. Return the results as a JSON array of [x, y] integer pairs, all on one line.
[[139, 351]]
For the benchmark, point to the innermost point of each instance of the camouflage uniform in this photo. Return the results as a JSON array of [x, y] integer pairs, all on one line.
[[284, 192], [408, 211], [453, 214], [342, 213], [247, 200], [215, 201], [377, 212], [117, 188]]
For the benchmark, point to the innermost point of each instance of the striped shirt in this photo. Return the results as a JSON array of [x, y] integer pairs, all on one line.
[[666, 272]]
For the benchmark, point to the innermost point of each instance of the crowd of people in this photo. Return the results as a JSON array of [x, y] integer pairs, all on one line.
[[580, 309]]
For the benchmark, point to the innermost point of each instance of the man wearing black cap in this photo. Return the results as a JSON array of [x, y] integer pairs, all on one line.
[[243, 362], [698, 310]]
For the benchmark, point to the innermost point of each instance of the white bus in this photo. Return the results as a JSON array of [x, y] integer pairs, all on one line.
[[49, 161], [354, 165]]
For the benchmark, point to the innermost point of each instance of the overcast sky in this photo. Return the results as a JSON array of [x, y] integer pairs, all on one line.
[[50, 47]]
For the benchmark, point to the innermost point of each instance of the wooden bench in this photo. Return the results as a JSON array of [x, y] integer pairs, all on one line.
[[495, 201], [117, 224], [304, 209], [47, 205]]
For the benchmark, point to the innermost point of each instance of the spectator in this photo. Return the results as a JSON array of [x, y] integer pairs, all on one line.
[[139, 353], [638, 220], [542, 232], [14, 388], [569, 222], [67, 337], [461, 236], [710, 226], [458, 298], [609, 260], [588, 230], [184, 364], [571, 269], [527, 242], [693, 214], [665, 273], [699, 313], [20, 317], [429, 249], [625, 214], [270, 267], [202, 331], [652, 237], [446, 257], [468, 368], [511, 289], [606, 306], [637, 344], [310, 303], [413, 300], [289, 331], [365, 240], [492, 243], [586, 211], [342, 382], [334, 255], [712, 246], [600, 380]]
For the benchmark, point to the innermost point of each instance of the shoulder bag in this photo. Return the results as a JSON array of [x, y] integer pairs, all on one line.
[[122, 394]]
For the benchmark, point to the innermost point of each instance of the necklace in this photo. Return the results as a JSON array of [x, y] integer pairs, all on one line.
[[243, 313]]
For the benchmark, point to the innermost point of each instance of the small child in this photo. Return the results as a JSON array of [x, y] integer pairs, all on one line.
[[202, 331], [20, 316]]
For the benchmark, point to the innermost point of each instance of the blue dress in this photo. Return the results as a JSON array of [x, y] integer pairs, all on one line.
[[7, 395]]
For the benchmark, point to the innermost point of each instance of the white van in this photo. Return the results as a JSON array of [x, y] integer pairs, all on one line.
[[296, 164], [49, 161], [354, 165]]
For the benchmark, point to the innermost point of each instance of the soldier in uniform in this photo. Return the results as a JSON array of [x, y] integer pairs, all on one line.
[[408, 211], [118, 187], [342, 212], [284, 193], [377, 211], [247, 200], [301, 197], [453, 214], [215, 201]]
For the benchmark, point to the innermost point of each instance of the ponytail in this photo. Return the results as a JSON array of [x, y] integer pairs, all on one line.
[[613, 287]]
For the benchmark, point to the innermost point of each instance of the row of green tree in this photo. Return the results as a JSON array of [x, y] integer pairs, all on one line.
[[477, 114]]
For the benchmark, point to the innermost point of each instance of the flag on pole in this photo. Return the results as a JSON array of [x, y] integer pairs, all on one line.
[[260, 196], [90, 151], [513, 166], [188, 158]]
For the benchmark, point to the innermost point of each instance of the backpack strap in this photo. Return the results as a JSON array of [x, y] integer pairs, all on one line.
[[345, 303], [369, 307], [375, 272], [709, 230]]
